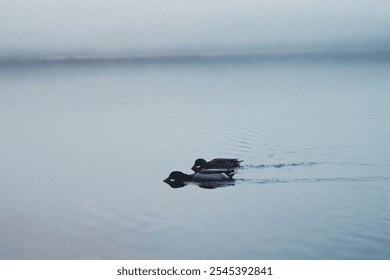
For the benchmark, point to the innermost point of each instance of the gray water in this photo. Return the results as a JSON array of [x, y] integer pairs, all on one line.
[[85, 147]]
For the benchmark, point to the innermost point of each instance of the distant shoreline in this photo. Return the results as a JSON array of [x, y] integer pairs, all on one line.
[[381, 55]]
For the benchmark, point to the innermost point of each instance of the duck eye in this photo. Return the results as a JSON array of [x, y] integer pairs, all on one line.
[[172, 180]]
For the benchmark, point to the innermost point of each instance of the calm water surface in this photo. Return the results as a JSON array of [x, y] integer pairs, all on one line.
[[84, 150]]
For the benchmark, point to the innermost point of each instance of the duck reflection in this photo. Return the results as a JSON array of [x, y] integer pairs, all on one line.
[[203, 185]]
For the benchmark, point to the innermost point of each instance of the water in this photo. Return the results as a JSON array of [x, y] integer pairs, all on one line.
[[85, 146]]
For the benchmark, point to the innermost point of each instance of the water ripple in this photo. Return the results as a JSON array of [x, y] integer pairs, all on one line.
[[315, 180], [280, 165]]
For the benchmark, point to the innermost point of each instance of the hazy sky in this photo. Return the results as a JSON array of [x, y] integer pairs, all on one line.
[[117, 25]]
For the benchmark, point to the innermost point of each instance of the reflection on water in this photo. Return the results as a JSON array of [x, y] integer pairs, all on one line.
[[204, 185], [85, 148]]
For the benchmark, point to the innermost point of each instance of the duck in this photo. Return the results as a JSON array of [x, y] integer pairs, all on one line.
[[217, 163], [205, 175]]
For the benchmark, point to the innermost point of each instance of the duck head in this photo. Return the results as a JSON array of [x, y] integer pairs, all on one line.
[[177, 179], [199, 164]]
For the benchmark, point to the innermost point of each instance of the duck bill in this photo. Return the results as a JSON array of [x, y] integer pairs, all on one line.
[[196, 168], [166, 180]]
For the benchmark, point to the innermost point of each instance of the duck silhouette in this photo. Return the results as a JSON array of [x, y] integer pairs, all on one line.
[[177, 179], [217, 163]]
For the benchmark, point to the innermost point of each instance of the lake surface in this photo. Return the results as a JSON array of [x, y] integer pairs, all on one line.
[[85, 146]]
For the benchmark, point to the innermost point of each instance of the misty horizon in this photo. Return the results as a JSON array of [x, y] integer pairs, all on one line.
[[114, 28]]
